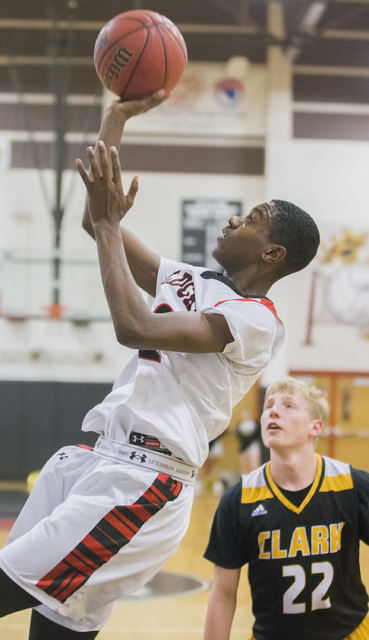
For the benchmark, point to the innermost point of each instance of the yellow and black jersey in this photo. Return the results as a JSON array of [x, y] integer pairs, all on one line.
[[303, 555]]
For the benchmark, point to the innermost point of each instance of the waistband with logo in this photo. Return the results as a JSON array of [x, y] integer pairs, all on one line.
[[146, 459]]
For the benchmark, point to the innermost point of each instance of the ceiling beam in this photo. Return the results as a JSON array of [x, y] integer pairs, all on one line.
[[344, 34], [45, 60], [329, 70], [86, 25], [312, 15], [296, 2]]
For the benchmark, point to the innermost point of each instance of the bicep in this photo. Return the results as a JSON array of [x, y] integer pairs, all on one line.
[[185, 332], [225, 583]]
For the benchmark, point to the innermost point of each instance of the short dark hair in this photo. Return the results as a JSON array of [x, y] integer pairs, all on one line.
[[295, 230]]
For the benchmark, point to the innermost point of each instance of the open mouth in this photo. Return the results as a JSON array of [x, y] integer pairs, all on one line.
[[273, 427]]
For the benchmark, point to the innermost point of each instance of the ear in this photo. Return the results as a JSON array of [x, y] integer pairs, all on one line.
[[274, 253], [316, 428]]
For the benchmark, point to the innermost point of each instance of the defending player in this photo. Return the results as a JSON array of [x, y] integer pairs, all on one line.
[[99, 524], [297, 522]]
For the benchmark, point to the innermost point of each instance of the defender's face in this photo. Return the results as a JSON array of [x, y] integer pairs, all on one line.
[[286, 422], [244, 240]]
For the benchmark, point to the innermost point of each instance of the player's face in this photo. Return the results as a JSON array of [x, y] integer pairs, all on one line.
[[286, 423], [245, 239]]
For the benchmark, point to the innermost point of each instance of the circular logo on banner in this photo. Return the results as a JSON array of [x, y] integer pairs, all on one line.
[[348, 294], [229, 92]]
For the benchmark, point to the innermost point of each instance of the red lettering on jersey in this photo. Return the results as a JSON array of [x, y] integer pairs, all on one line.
[[186, 288]]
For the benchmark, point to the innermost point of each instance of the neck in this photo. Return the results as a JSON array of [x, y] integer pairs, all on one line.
[[251, 282], [294, 470]]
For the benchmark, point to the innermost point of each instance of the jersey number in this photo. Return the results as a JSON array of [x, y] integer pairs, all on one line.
[[317, 597]]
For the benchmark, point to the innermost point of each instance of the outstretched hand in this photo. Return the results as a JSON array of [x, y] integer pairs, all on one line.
[[135, 107], [106, 197], [126, 110]]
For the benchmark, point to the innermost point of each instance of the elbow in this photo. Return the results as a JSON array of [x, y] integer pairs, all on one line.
[[133, 331], [129, 338], [124, 339]]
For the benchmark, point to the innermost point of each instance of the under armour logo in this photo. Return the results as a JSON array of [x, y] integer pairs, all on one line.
[[137, 456], [62, 455], [138, 438]]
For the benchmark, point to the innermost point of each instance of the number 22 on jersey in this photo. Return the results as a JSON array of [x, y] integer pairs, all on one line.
[[317, 597]]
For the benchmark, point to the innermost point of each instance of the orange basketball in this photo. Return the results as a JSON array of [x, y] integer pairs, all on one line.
[[139, 52]]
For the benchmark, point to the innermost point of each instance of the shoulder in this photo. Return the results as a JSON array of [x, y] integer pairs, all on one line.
[[360, 480], [258, 335], [340, 476], [337, 475], [255, 487], [227, 516], [170, 267], [227, 294], [334, 467], [232, 497]]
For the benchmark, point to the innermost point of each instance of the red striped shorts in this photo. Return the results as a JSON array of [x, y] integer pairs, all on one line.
[[91, 532]]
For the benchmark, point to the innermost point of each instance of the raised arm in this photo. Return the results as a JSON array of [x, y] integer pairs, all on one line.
[[135, 326], [143, 262], [222, 604]]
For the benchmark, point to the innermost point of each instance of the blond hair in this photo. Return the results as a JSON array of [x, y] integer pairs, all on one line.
[[316, 398]]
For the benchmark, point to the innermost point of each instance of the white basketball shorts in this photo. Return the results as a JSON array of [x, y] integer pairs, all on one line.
[[91, 532]]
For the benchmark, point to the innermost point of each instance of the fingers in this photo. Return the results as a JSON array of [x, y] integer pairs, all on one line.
[[103, 158], [135, 107], [154, 100], [132, 192], [117, 179], [115, 165], [83, 173], [107, 174], [94, 168]]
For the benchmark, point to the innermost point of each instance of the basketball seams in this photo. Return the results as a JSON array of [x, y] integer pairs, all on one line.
[[178, 41], [181, 46], [138, 60], [159, 39], [164, 51], [148, 14], [113, 44], [173, 35]]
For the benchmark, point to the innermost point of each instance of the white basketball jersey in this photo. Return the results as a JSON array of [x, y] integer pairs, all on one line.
[[186, 399]]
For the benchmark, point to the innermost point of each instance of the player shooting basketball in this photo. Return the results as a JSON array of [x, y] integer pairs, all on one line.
[[100, 523]]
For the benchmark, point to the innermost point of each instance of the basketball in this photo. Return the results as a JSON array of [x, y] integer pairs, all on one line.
[[139, 52]]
